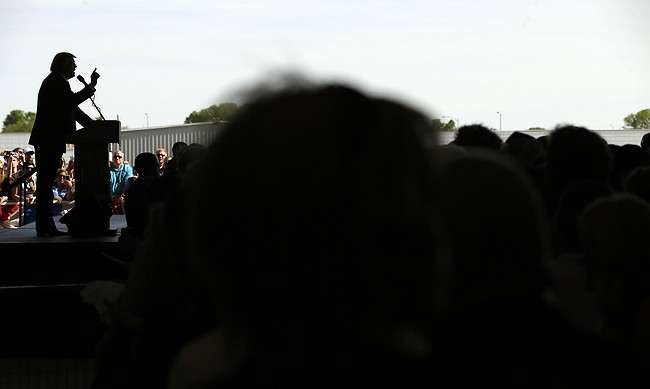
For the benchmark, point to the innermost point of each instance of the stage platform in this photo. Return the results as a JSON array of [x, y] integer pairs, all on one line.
[[26, 259], [27, 233], [42, 311]]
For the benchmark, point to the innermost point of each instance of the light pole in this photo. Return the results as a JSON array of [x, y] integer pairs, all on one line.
[[456, 119], [147, 115], [499, 120]]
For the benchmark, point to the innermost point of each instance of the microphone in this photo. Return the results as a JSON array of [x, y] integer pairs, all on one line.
[[82, 80]]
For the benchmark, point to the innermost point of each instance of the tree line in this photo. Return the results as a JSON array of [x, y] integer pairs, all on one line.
[[21, 121]]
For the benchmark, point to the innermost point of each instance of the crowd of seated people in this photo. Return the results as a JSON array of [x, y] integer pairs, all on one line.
[[596, 212], [19, 162], [15, 163], [339, 246]]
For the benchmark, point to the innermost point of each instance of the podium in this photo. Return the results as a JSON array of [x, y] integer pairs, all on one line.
[[92, 211]]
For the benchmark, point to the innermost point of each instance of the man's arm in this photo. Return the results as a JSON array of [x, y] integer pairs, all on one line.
[[87, 92], [89, 89], [81, 117], [83, 95]]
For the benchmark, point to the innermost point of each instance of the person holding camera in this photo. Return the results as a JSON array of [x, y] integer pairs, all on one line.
[[4, 180], [10, 167], [14, 167]]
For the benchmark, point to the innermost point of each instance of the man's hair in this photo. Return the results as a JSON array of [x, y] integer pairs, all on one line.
[[59, 60]]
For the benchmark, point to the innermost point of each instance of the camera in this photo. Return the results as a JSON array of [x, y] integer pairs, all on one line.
[[66, 177]]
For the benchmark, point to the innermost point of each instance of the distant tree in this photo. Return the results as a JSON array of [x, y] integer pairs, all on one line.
[[18, 121], [639, 120], [223, 111], [536, 129], [438, 125]]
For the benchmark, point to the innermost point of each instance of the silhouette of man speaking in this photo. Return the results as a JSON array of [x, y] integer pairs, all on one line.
[[56, 114]]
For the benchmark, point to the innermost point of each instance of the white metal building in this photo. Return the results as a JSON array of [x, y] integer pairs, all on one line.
[[136, 141], [614, 137]]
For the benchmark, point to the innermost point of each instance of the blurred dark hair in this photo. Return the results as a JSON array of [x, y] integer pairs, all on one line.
[[477, 135], [321, 197], [576, 153]]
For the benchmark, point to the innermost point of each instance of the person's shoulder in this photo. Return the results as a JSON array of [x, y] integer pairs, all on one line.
[[54, 78]]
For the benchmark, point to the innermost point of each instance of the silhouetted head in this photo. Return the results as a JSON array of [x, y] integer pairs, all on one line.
[[638, 183], [617, 259], [146, 164], [543, 140], [320, 217], [64, 63], [477, 135], [177, 147], [572, 203], [497, 227], [575, 153], [645, 141], [189, 155], [626, 158], [525, 149]]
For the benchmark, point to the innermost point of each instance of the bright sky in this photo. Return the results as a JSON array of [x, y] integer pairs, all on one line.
[[538, 62]]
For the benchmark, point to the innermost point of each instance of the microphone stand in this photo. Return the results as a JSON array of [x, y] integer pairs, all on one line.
[[92, 98]]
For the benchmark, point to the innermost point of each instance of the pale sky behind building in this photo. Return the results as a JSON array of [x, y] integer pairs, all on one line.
[[538, 62]]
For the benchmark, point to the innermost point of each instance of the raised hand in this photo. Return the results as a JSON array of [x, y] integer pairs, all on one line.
[[93, 77]]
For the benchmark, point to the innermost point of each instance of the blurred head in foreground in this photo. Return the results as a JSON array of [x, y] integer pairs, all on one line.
[[320, 228]]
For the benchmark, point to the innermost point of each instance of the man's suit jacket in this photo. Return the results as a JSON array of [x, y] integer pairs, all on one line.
[[57, 111]]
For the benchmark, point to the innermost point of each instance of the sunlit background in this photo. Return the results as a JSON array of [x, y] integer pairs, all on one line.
[[538, 63]]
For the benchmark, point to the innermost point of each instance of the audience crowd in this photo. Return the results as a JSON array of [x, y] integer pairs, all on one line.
[[326, 240], [339, 246], [13, 164], [21, 162]]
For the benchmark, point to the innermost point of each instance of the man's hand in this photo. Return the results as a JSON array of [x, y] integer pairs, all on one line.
[[93, 78]]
